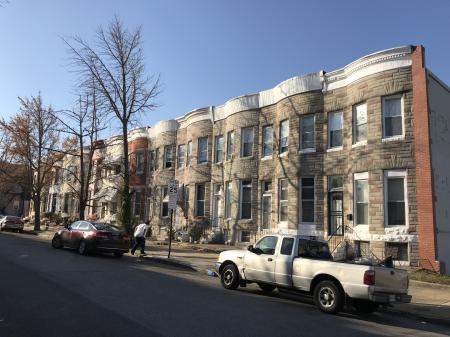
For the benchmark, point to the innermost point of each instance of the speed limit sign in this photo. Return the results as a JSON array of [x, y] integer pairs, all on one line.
[[173, 194]]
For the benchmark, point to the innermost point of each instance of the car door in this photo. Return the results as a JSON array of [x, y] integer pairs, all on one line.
[[259, 264], [283, 263], [77, 234], [66, 233]]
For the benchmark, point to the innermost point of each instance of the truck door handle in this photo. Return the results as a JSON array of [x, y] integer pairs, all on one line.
[[269, 259]]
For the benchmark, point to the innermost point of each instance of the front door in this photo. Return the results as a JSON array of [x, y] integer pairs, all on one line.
[[259, 265], [336, 213]]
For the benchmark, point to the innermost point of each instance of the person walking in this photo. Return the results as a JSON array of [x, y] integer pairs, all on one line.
[[139, 237]]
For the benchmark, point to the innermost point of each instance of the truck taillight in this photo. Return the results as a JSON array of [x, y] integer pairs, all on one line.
[[369, 277]]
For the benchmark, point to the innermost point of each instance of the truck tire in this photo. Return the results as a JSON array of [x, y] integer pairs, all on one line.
[[364, 306], [328, 297], [230, 277], [267, 288]]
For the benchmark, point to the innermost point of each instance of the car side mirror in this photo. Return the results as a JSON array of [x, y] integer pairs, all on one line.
[[67, 226], [250, 248]]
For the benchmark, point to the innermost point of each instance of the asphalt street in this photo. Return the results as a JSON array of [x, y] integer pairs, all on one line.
[[49, 292]]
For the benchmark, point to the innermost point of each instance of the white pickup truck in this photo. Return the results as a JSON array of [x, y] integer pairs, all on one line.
[[300, 264]]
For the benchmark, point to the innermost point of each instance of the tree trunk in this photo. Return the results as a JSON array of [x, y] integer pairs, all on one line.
[[126, 196], [37, 212]]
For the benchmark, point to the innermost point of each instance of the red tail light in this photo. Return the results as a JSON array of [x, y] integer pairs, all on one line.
[[369, 277], [101, 235]]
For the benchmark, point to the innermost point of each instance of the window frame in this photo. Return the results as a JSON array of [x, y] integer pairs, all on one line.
[[264, 143], [181, 156], [307, 149], [218, 149], [230, 144], [355, 124], [402, 114], [200, 159], [164, 196], [362, 176], [166, 162], [243, 130], [301, 200], [280, 148], [395, 174], [140, 165], [280, 201], [189, 153], [245, 184], [200, 200], [266, 194], [332, 113]]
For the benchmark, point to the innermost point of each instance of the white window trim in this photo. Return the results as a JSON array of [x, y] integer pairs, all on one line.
[[309, 149], [241, 187], [264, 194], [162, 203], [227, 152], [139, 172], [198, 151], [165, 157], [215, 205], [402, 104], [216, 147], [196, 200], [284, 153], [300, 208], [336, 148], [178, 157], [360, 176], [396, 174], [354, 121], [262, 142]]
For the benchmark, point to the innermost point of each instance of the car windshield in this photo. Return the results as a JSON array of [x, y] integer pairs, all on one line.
[[105, 227], [12, 218]]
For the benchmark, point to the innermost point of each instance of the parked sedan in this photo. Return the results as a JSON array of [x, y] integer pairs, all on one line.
[[11, 222], [87, 236]]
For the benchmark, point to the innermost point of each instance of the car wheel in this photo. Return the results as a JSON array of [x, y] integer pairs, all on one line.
[[118, 254], [56, 242], [328, 297], [267, 288], [365, 307], [230, 277], [82, 248]]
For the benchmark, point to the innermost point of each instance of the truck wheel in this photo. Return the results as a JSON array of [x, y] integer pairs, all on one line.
[[267, 288], [365, 307], [230, 277], [328, 297]]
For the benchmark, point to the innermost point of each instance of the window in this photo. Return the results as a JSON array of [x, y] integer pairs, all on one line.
[[156, 159], [200, 200], [307, 134], [284, 136], [392, 116], [117, 168], [361, 207], [362, 249], [307, 200], [267, 245], [246, 199], [247, 142], [202, 150], [186, 201], [228, 195], [267, 140], [283, 200], [165, 202], [137, 203], [314, 250], [286, 246], [181, 154], [168, 156], [245, 236], [399, 251], [395, 205], [66, 203], [217, 205], [140, 157], [266, 204], [230, 145], [189, 153], [218, 149], [335, 129], [151, 161], [359, 123]]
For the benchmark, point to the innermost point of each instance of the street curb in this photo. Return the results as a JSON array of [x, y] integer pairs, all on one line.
[[430, 284], [434, 320], [171, 262]]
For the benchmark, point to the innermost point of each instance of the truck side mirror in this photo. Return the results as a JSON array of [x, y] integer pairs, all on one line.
[[250, 248]]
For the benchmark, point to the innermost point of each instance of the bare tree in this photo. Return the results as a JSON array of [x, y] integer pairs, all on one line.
[[82, 125], [116, 63], [33, 136]]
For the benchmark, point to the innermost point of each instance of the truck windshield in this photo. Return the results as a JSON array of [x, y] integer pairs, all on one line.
[[314, 250]]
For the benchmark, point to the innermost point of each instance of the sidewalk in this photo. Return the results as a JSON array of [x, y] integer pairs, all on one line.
[[430, 302]]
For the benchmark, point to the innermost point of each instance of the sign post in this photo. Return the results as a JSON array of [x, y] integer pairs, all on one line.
[[173, 197]]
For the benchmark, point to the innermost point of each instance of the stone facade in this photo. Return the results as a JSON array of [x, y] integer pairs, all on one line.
[[285, 175]]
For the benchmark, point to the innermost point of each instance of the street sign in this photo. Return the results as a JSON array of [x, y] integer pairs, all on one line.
[[173, 194]]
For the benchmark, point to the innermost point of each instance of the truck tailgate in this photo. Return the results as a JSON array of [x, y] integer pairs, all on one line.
[[391, 280]]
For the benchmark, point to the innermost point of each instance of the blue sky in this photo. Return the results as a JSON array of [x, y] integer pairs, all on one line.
[[210, 51]]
